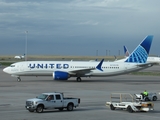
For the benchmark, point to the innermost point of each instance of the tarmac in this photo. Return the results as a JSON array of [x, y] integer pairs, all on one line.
[[93, 92]]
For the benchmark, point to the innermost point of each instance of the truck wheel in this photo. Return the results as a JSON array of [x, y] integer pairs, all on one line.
[[129, 109], [154, 98], [39, 109], [70, 107], [112, 107], [31, 110], [146, 99]]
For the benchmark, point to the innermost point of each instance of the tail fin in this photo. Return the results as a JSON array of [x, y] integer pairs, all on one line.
[[140, 54], [126, 51]]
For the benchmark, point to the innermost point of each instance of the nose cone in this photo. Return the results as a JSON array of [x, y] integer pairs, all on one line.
[[6, 70]]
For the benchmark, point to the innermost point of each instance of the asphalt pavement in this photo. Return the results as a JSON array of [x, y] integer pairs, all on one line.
[[93, 92]]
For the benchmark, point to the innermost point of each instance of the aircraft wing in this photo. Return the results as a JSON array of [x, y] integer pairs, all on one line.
[[87, 70], [81, 71]]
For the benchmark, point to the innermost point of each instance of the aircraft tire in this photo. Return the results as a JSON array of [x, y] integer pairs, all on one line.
[[19, 79], [79, 79]]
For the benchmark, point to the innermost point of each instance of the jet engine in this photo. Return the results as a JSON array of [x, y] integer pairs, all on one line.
[[59, 75]]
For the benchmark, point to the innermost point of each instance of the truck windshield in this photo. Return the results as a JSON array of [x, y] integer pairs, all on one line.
[[42, 96]]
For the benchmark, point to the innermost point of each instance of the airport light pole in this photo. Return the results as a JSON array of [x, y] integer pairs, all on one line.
[[26, 46]]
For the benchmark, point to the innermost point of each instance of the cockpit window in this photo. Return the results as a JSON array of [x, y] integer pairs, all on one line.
[[12, 65]]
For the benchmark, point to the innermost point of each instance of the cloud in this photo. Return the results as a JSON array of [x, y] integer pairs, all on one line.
[[70, 21], [88, 23]]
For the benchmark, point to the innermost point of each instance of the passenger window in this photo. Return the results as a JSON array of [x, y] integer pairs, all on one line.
[[58, 97]]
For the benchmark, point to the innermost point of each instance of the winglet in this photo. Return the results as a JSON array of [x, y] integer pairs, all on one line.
[[100, 65], [140, 54]]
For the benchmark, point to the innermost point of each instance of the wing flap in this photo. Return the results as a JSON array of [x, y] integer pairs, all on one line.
[[81, 71], [87, 70]]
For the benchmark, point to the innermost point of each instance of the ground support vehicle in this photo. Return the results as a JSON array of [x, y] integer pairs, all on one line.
[[51, 101], [150, 97], [126, 101]]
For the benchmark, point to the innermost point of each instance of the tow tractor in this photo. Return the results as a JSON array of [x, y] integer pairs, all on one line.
[[150, 97], [126, 101]]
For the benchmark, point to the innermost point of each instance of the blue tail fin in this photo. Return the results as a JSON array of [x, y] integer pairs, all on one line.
[[140, 54], [126, 52]]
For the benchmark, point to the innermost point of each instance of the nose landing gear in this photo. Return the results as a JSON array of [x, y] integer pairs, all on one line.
[[18, 79]]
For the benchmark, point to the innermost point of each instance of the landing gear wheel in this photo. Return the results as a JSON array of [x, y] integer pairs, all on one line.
[[79, 79], [19, 79], [129, 109]]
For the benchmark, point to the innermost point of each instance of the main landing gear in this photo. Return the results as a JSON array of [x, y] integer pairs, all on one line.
[[79, 79], [18, 79]]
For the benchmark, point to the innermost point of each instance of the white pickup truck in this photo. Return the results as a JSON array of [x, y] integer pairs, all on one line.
[[51, 101]]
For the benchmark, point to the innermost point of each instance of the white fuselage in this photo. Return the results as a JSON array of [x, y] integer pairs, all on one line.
[[46, 68]]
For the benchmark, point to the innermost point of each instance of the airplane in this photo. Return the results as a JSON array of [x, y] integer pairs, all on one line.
[[149, 59], [19, 57], [63, 70]]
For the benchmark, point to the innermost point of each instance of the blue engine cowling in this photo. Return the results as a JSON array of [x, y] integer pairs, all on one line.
[[59, 75]]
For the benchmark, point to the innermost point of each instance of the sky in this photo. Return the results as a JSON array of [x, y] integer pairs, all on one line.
[[77, 27]]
